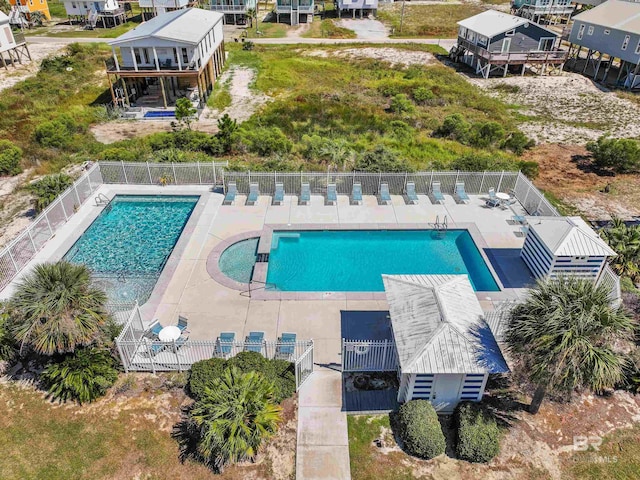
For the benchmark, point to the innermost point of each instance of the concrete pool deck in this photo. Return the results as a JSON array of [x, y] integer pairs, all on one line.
[[186, 287]]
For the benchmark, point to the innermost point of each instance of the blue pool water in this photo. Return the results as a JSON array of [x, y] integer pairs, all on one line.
[[127, 246], [160, 114], [334, 260], [237, 261]]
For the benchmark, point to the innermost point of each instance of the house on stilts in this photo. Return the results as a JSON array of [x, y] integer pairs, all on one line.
[[236, 12], [549, 12], [174, 55], [493, 41], [295, 11], [152, 8], [605, 43], [104, 13], [356, 8], [13, 46]]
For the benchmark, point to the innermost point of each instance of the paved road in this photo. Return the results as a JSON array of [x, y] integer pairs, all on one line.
[[445, 43]]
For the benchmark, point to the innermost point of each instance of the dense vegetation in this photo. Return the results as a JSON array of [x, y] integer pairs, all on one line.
[[418, 428], [46, 189], [478, 435], [203, 374], [373, 114], [625, 241], [231, 419], [615, 155], [10, 156], [564, 335]]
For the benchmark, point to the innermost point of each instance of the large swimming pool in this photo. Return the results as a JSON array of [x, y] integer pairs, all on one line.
[[129, 243], [354, 260]]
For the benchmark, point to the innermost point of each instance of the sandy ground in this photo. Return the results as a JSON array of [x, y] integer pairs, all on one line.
[[536, 446], [244, 102], [365, 28], [564, 172], [8, 78], [392, 55], [569, 108]]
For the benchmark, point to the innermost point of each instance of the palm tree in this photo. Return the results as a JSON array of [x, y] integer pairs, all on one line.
[[56, 309], [234, 416], [625, 241], [564, 335]]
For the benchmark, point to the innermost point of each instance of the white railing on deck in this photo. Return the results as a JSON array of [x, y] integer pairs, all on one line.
[[24, 247], [611, 280], [140, 354]]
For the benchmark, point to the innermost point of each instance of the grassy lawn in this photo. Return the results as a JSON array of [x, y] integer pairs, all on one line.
[[366, 463], [268, 30], [57, 10], [96, 32], [41, 440], [618, 458], [221, 98], [431, 21]]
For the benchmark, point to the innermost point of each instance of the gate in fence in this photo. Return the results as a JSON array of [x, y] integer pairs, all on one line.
[[369, 356], [304, 366]]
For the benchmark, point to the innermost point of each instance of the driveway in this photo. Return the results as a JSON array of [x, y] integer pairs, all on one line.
[[365, 28]]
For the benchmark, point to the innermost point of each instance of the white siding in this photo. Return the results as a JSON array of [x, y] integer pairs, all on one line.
[[536, 255]]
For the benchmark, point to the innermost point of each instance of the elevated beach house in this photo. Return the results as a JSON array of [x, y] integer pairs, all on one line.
[[176, 54], [493, 41], [235, 11], [445, 349], [295, 11], [22, 10], [104, 13], [356, 8], [151, 8], [13, 47], [610, 33], [564, 246], [547, 11]]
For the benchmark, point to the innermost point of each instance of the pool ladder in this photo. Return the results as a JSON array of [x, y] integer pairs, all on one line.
[[440, 228], [101, 199]]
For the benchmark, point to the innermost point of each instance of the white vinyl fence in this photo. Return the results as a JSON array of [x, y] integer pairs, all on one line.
[[141, 354], [369, 356], [15, 256], [145, 173]]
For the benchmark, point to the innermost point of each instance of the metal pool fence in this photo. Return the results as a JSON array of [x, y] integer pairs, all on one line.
[[475, 183], [23, 248], [145, 173]]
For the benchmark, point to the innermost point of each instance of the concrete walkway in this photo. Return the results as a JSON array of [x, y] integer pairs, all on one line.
[[323, 446]]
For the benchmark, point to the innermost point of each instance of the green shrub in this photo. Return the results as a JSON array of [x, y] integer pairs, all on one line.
[[10, 156], [518, 142], [422, 94], [616, 155], [486, 134], [264, 141], [203, 374], [185, 140], [381, 159], [419, 429], [8, 347], [478, 436], [118, 154], [530, 168], [48, 188], [82, 376], [280, 372], [454, 127], [57, 133], [400, 103]]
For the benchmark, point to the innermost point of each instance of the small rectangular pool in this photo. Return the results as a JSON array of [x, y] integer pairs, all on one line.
[[354, 260], [128, 244], [160, 114]]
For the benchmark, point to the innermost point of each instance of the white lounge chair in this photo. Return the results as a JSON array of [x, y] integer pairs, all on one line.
[[356, 194], [278, 196], [385, 196], [254, 193], [410, 191], [230, 195], [332, 194], [436, 195], [305, 194], [460, 195]]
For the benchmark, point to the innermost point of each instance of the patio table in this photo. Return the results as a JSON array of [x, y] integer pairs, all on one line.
[[169, 334], [502, 196]]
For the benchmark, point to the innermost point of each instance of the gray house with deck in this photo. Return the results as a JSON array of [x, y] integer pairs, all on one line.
[[610, 33], [493, 41]]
